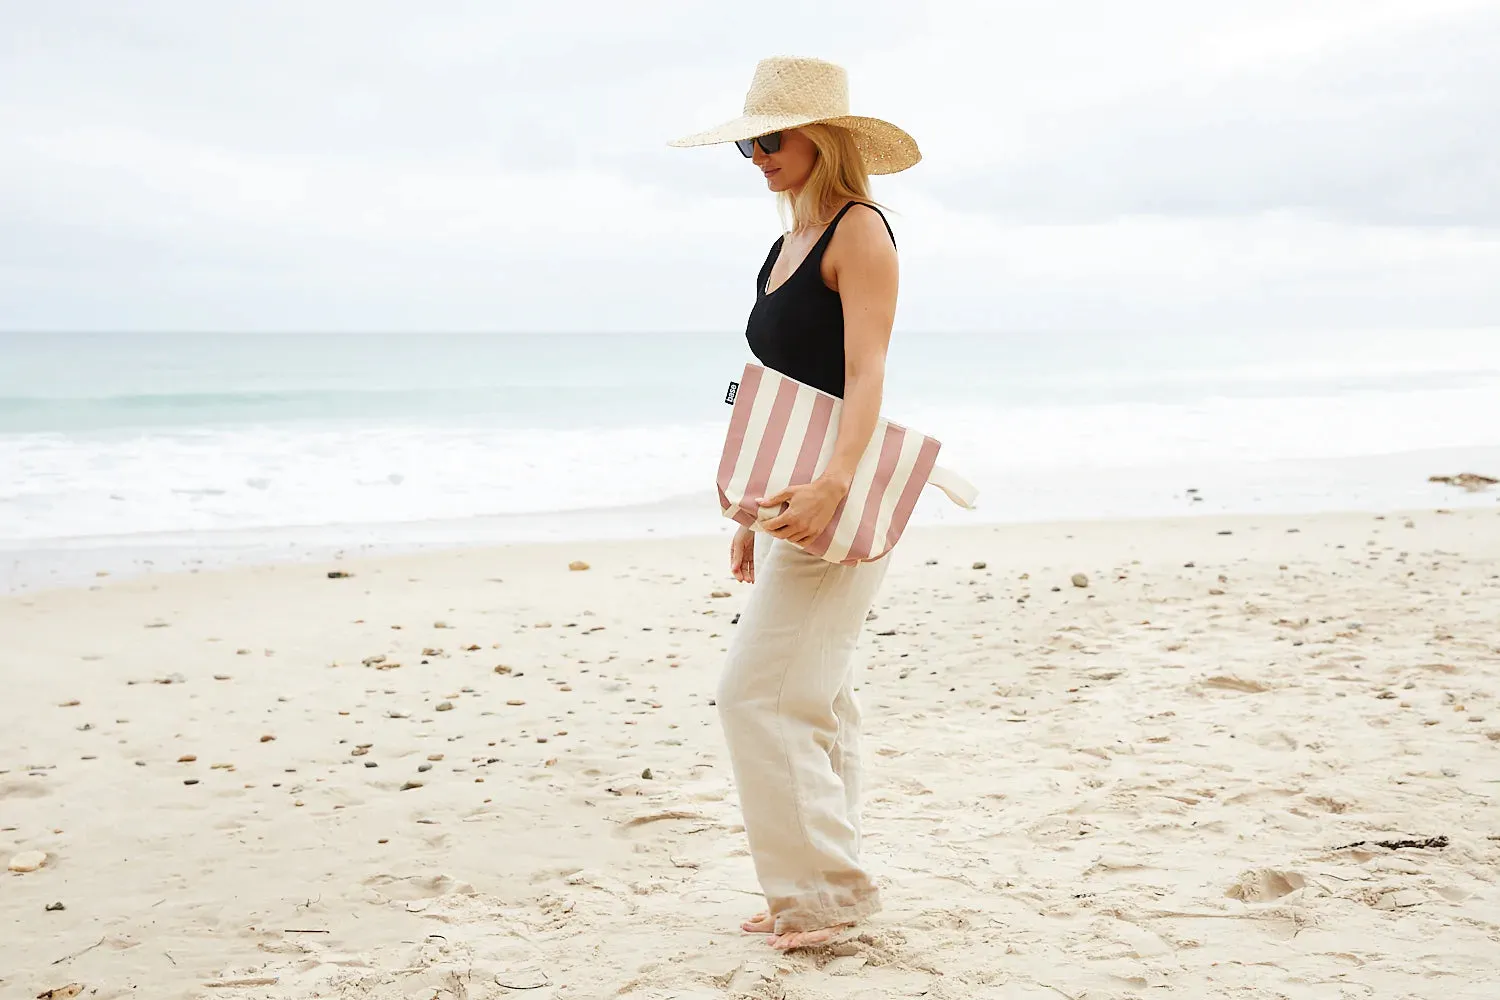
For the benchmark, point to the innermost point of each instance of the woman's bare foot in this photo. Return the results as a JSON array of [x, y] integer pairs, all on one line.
[[761, 923], [806, 939]]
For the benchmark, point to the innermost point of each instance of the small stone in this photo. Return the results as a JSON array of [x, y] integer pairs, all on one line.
[[242, 652], [471, 647], [410, 785], [221, 677], [267, 738], [70, 704], [646, 775], [1080, 580], [578, 565], [27, 861], [515, 702], [445, 706], [190, 781], [55, 907], [1215, 592], [981, 564], [187, 758], [371, 763], [720, 593], [383, 840], [434, 756], [501, 668], [423, 767], [359, 751], [337, 574], [441, 625]]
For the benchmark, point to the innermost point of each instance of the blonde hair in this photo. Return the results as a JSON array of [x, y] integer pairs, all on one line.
[[838, 176]]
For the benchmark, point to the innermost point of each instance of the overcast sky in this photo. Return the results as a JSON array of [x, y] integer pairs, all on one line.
[[494, 165]]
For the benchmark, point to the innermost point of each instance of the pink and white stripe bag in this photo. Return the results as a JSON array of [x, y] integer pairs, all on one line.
[[782, 433]]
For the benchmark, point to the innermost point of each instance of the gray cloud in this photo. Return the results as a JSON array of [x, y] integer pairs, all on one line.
[[1402, 129], [478, 165]]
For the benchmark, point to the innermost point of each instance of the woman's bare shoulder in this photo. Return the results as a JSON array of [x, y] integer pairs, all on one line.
[[862, 233]]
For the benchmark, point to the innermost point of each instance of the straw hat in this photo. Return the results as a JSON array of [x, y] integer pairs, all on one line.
[[790, 92]]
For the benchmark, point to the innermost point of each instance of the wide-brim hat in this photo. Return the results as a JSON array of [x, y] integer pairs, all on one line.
[[791, 92]]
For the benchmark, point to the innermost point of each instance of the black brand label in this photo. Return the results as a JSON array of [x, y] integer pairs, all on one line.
[[734, 387]]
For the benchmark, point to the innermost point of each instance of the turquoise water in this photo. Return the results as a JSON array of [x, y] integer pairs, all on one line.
[[90, 382], [112, 437]]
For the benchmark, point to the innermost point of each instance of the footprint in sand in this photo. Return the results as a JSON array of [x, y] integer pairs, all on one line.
[[1262, 884], [413, 887], [1225, 682]]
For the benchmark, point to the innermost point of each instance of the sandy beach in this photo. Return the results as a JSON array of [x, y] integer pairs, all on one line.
[[483, 774]]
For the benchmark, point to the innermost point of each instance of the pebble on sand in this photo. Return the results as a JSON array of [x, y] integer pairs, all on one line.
[[187, 758], [578, 565], [27, 861], [445, 706], [267, 738], [981, 564], [410, 785], [1080, 580], [720, 593]]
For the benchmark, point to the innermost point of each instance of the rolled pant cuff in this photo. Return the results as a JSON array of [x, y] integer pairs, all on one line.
[[810, 914]]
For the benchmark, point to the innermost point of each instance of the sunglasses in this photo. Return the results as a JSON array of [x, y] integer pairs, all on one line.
[[770, 142]]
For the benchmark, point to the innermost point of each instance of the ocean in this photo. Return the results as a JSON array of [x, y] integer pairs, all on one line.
[[133, 450]]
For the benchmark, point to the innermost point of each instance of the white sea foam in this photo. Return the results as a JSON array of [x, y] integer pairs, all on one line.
[[1043, 426]]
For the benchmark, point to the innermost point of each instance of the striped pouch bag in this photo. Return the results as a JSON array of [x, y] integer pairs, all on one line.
[[782, 433]]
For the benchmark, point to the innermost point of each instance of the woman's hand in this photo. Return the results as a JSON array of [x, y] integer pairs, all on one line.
[[809, 508], [742, 555]]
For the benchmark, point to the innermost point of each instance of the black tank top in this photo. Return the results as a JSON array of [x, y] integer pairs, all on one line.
[[798, 329]]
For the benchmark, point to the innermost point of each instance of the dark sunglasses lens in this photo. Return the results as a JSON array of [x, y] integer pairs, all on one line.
[[770, 142], [747, 146]]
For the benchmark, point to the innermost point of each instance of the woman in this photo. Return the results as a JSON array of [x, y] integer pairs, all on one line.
[[825, 301]]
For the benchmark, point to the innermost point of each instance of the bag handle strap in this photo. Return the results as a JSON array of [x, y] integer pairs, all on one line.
[[959, 489]]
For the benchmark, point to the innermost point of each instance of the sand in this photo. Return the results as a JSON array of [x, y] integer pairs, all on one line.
[[1146, 786]]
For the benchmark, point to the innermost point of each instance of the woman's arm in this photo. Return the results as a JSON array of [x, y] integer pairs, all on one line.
[[863, 261]]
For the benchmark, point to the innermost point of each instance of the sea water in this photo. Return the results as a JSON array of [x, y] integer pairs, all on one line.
[[191, 443]]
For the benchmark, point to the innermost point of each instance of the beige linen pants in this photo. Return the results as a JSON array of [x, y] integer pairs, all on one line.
[[790, 718]]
